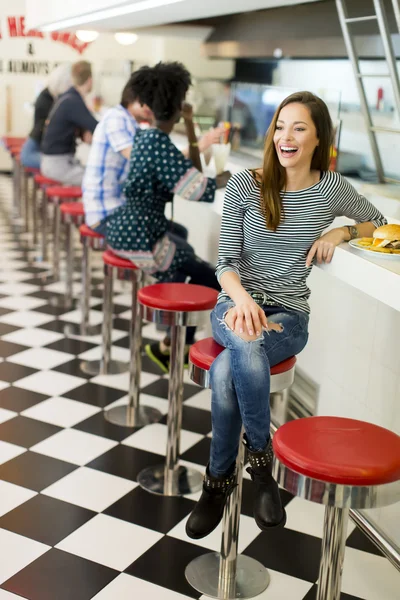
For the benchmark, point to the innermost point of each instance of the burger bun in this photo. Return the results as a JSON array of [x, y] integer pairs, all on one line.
[[389, 232]]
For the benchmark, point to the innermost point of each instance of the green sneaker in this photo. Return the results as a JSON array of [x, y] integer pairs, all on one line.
[[162, 359], [158, 357]]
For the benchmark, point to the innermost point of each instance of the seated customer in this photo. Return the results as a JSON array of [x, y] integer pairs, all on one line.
[[68, 118], [108, 163], [138, 230], [58, 83]]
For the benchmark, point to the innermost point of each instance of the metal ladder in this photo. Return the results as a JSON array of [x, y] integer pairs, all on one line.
[[381, 18]]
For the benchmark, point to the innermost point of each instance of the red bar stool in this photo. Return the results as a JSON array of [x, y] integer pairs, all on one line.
[[90, 241], [56, 195], [178, 305], [344, 464], [10, 140], [132, 414], [40, 183], [226, 574]]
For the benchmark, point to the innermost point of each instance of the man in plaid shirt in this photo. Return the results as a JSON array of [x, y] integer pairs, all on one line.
[[108, 162]]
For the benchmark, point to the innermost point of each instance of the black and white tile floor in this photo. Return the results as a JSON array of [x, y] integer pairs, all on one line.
[[74, 524]]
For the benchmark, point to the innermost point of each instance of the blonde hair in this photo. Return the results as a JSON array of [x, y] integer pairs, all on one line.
[[59, 80], [81, 72]]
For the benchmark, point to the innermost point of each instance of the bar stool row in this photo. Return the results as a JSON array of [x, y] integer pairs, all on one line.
[[341, 463]]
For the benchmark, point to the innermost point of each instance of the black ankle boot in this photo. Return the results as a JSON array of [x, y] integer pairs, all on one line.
[[208, 511], [267, 509]]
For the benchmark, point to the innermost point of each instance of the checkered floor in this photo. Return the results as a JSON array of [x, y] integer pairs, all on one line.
[[74, 524]]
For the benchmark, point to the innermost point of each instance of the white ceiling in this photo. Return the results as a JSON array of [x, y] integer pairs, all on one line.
[[43, 12]]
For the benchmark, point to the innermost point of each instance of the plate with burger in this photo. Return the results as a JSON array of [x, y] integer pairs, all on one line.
[[385, 242]]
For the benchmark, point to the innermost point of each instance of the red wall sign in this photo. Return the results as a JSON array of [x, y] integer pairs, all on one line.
[[16, 29]]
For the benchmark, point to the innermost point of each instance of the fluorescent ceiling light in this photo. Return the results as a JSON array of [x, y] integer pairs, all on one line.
[[85, 35], [125, 38], [107, 13]]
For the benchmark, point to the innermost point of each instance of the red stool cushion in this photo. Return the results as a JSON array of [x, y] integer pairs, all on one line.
[[109, 258], [33, 170], [10, 140], [59, 191], [178, 297], [85, 231], [42, 180], [72, 208], [339, 450], [203, 353]]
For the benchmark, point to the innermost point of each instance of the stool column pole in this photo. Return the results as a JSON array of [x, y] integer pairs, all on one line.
[[44, 225], [34, 214], [70, 263], [56, 240], [332, 553], [230, 534], [107, 319], [85, 285], [175, 398], [26, 199]]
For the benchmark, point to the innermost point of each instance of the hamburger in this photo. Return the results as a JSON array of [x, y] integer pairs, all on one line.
[[387, 238]]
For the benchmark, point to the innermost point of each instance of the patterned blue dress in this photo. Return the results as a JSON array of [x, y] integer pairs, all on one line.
[[138, 230]]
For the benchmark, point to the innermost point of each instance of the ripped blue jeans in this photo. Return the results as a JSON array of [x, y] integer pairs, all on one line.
[[240, 381]]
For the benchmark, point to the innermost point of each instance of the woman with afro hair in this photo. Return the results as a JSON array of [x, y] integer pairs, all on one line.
[[139, 230]]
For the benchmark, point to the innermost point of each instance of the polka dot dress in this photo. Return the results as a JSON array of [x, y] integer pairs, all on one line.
[[156, 166]]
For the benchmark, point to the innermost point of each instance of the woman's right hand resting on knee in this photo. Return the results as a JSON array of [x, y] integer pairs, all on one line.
[[246, 317]]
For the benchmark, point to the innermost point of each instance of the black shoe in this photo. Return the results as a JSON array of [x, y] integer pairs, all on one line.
[[207, 513], [162, 359], [268, 510]]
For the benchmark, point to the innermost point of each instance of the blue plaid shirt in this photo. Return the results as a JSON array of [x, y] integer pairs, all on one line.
[[106, 169]]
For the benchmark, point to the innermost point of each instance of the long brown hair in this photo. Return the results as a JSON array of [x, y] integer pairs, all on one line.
[[274, 175]]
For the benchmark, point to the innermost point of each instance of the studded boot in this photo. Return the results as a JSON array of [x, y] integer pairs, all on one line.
[[208, 511], [267, 509]]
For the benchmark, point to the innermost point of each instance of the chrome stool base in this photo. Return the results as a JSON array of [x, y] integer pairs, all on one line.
[[183, 480], [80, 330], [61, 302], [125, 416], [95, 367], [251, 579]]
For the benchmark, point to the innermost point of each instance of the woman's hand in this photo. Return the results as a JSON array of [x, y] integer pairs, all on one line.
[[187, 111], [246, 317], [324, 248], [211, 137], [222, 179]]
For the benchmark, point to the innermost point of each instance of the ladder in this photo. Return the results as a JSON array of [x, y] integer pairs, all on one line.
[[381, 18]]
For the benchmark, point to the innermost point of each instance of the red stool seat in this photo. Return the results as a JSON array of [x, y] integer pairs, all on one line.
[[74, 209], [42, 180], [32, 170], [59, 191], [203, 353], [86, 231], [178, 297], [109, 258], [339, 450], [13, 141]]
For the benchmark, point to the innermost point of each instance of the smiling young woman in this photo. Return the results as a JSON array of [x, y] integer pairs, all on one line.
[[273, 227]]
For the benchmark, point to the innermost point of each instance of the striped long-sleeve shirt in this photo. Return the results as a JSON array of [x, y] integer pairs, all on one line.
[[274, 262]]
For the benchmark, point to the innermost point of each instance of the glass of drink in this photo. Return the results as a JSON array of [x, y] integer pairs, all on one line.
[[220, 154]]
